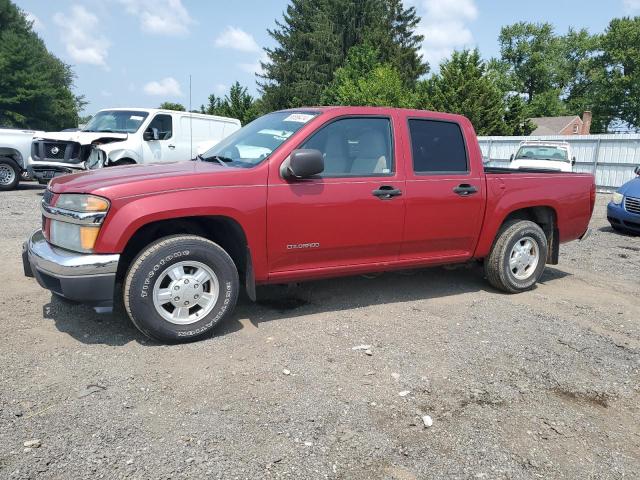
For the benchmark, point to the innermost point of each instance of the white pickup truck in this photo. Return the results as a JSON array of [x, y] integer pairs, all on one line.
[[125, 136], [544, 155], [15, 148]]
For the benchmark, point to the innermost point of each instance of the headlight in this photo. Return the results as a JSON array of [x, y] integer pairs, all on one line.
[[82, 203], [75, 221], [617, 198]]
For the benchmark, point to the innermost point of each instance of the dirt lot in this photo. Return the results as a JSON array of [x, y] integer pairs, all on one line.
[[544, 384]]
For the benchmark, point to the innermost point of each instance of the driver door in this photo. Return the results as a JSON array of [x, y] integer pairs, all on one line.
[[339, 221], [164, 149]]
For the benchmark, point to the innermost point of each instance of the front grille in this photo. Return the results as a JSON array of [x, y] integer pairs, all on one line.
[[632, 205], [54, 151]]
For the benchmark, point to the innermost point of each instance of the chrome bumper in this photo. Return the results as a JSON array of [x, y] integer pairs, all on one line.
[[86, 278]]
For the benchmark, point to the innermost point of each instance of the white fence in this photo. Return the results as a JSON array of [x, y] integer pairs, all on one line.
[[611, 158]]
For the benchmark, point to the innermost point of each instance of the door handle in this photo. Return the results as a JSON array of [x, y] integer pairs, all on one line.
[[171, 146], [464, 190], [386, 192]]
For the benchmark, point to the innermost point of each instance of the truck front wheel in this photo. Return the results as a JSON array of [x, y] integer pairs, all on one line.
[[9, 174], [518, 257], [179, 288]]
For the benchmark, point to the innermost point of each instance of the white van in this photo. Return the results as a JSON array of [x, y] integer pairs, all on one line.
[[124, 136], [542, 154]]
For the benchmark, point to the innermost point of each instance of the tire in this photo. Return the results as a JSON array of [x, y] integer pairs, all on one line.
[[9, 174], [512, 245], [178, 266]]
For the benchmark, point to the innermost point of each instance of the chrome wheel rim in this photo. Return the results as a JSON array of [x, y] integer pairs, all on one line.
[[186, 292], [7, 175], [524, 258]]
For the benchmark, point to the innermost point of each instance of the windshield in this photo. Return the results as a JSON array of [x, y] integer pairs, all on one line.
[[541, 152], [256, 141], [118, 121]]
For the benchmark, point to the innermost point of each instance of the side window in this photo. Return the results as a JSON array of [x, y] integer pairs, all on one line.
[[437, 147], [164, 125], [355, 147]]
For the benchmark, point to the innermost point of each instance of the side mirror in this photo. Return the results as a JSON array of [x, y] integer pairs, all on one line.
[[637, 171], [511, 158], [573, 161], [151, 134], [304, 163]]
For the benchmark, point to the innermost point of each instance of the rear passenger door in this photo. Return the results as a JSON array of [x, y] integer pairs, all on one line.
[[445, 192]]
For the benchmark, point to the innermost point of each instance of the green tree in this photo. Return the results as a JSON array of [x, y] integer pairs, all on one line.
[[516, 119], [315, 36], [616, 85], [533, 54], [178, 107], [35, 86], [363, 80], [238, 103], [464, 86]]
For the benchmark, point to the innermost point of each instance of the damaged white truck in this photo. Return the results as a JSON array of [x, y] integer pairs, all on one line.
[[127, 136]]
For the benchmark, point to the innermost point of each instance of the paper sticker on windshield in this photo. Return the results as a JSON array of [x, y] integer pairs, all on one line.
[[136, 117], [299, 117]]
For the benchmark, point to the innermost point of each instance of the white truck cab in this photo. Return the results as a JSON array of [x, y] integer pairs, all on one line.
[[124, 136], [541, 154]]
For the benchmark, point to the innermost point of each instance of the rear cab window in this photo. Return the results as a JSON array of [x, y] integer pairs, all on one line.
[[437, 147]]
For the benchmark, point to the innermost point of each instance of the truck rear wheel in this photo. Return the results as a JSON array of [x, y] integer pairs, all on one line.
[[9, 174], [518, 257], [179, 288]]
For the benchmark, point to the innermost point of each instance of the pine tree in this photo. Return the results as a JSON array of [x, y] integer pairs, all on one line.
[[363, 80], [237, 104], [315, 36], [464, 87], [35, 86]]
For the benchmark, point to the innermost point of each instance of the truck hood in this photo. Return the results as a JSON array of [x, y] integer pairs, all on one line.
[[83, 138], [130, 180]]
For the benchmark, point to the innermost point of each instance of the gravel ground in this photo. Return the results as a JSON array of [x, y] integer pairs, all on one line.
[[544, 384]]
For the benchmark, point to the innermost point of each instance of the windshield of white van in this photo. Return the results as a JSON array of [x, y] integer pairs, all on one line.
[[541, 152], [116, 121], [257, 140]]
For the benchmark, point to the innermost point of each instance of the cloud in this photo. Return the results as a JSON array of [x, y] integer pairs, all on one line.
[[36, 23], [631, 6], [237, 39], [220, 88], [80, 32], [254, 67], [168, 87], [163, 17], [444, 26]]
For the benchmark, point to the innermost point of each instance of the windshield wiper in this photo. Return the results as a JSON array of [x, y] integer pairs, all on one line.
[[218, 158]]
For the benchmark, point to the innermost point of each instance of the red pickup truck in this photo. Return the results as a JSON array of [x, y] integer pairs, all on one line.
[[297, 195]]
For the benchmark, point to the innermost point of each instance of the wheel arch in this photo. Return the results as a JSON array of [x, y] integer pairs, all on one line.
[[546, 218], [115, 156], [223, 230], [13, 154]]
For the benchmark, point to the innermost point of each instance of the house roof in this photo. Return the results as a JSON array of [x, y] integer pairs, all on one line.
[[551, 125]]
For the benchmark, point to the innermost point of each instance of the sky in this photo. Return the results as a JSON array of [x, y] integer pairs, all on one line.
[[139, 53]]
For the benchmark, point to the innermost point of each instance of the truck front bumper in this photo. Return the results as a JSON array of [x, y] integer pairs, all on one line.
[[84, 278]]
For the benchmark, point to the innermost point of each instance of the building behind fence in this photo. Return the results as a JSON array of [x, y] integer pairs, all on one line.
[[611, 158]]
